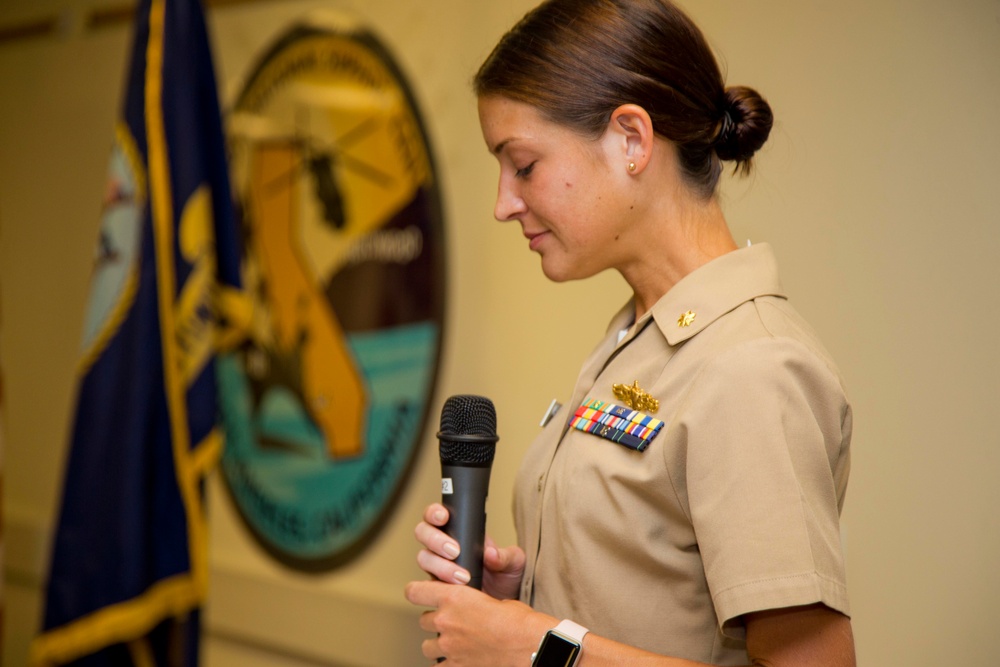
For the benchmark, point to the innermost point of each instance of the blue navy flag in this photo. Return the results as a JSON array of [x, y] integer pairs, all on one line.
[[129, 563]]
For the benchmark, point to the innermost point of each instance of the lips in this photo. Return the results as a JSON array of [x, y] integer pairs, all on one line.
[[534, 238]]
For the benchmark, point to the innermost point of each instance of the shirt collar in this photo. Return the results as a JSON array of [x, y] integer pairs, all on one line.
[[714, 289]]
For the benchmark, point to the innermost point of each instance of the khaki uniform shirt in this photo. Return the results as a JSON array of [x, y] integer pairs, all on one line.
[[733, 507]]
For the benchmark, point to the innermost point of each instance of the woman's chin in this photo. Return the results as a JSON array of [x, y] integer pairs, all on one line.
[[559, 272]]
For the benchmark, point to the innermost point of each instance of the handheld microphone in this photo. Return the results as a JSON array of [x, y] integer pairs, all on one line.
[[467, 440]]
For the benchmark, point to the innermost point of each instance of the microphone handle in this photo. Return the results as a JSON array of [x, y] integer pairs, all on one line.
[[466, 504]]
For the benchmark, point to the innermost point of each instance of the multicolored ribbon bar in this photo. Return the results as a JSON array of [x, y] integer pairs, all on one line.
[[616, 423]]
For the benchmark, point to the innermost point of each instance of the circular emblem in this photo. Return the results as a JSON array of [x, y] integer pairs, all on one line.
[[115, 275], [326, 401]]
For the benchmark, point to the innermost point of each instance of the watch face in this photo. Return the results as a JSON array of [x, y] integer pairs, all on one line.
[[556, 651]]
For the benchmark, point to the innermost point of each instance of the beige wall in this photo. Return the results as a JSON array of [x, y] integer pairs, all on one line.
[[876, 191]]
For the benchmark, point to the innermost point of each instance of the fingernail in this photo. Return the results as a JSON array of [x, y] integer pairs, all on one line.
[[439, 516], [462, 577], [451, 549]]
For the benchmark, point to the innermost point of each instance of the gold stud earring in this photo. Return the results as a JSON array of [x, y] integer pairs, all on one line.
[[631, 166]]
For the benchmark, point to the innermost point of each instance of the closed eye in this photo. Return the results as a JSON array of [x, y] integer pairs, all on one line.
[[525, 171]]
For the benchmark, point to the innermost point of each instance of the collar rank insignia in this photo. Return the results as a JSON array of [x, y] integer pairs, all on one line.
[[634, 397], [686, 319], [629, 428]]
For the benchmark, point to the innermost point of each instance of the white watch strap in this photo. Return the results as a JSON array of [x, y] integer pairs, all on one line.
[[572, 630]]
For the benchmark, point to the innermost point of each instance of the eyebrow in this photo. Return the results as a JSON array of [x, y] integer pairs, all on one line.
[[496, 150]]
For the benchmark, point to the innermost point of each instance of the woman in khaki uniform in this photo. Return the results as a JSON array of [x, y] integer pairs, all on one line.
[[683, 509]]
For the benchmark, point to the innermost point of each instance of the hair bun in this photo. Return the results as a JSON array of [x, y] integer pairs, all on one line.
[[745, 125]]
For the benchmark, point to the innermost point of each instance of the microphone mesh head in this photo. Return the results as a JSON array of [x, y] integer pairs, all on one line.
[[470, 418]]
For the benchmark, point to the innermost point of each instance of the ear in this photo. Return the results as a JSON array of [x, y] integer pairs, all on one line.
[[630, 130]]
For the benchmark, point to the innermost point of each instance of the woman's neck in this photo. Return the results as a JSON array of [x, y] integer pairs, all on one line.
[[685, 238]]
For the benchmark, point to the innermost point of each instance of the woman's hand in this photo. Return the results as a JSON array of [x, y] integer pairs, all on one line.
[[475, 630], [502, 568]]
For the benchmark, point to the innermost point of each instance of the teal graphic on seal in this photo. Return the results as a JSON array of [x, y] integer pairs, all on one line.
[[326, 402]]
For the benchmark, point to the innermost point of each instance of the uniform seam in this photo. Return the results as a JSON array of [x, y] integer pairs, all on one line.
[[765, 580]]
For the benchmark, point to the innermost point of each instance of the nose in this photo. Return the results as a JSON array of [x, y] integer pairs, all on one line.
[[510, 205]]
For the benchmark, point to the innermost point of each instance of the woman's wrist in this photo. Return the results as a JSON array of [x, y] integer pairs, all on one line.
[[534, 629], [561, 646]]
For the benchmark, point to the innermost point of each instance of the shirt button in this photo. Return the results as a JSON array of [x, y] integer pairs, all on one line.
[[541, 483]]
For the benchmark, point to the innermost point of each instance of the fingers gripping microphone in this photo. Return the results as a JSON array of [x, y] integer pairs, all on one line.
[[467, 440]]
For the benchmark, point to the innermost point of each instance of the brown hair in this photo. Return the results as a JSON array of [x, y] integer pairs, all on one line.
[[576, 61]]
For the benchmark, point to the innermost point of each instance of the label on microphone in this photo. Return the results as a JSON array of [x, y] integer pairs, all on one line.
[[447, 488]]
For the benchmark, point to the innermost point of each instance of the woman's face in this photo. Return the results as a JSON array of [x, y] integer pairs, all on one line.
[[560, 186]]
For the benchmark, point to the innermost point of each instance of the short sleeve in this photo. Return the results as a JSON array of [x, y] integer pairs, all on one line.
[[768, 431]]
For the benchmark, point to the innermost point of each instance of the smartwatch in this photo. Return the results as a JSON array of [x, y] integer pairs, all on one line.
[[561, 646]]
